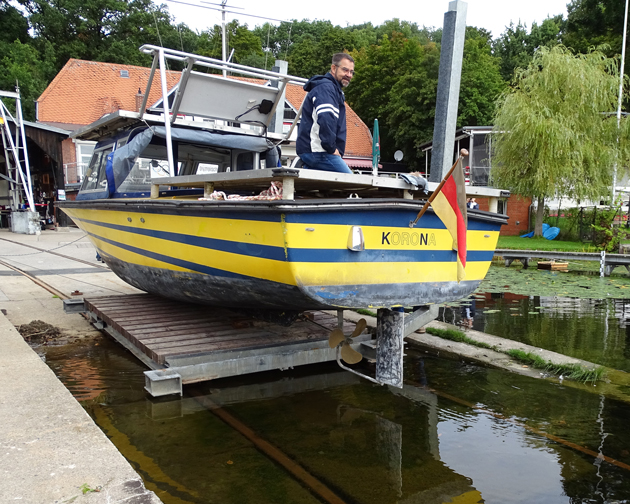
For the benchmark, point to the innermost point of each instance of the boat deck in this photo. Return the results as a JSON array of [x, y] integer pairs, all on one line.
[[186, 343], [293, 179]]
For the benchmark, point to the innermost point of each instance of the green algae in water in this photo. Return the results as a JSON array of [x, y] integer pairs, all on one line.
[[534, 282]]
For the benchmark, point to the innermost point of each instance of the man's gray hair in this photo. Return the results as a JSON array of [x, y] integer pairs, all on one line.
[[339, 57]]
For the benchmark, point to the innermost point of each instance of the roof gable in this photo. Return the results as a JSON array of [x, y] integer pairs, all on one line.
[[84, 91]]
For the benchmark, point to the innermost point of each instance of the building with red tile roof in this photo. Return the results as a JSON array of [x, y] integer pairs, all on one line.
[[84, 91]]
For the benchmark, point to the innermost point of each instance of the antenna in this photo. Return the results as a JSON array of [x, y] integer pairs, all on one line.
[[222, 7]]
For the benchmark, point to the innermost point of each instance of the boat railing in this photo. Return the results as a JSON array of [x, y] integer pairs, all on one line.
[[215, 96]]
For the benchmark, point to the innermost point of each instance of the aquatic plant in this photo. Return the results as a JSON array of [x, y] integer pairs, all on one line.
[[570, 371], [460, 337], [573, 372]]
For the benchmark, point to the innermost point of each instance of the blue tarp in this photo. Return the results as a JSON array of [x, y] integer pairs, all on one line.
[[545, 228], [551, 233]]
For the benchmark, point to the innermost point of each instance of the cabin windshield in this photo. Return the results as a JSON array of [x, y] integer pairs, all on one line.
[[95, 178], [138, 162]]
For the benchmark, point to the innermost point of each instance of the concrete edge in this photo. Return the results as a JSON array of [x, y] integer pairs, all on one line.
[[50, 448]]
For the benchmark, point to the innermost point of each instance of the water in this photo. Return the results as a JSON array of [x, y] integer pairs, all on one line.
[[456, 433], [595, 330]]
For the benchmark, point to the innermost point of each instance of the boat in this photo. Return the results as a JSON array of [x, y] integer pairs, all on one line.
[[185, 199]]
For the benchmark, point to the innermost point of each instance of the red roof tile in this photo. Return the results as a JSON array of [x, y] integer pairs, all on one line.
[[84, 91]]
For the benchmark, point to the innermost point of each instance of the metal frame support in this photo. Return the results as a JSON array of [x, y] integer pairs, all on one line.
[[167, 120], [74, 305], [23, 174], [163, 382], [420, 317], [392, 328], [390, 347]]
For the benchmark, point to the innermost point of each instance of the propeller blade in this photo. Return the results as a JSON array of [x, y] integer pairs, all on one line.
[[349, 354], [336, 337], [361, 325]]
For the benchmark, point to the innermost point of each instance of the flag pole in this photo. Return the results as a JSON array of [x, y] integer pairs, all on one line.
[[462, 153]]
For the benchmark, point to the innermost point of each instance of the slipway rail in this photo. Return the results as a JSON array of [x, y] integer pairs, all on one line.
[[608, 262]]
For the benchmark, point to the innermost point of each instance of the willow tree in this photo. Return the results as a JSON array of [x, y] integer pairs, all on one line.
[[557, 133]]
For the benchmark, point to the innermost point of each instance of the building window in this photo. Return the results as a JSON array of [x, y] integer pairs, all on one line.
[[502, 206]]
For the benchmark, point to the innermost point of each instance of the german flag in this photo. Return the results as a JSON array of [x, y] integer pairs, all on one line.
[[450, 206]]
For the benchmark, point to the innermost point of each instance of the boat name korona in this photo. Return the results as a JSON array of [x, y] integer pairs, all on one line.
[[407, 238]]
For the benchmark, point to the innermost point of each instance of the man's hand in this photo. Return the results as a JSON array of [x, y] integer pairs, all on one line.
[[336, 153]]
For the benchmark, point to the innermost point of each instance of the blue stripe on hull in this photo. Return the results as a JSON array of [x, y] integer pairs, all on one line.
[[309, 255], [248, 249], [196, 267], [278, 253]]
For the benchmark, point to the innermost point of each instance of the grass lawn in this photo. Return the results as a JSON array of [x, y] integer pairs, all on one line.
[[515, 242]]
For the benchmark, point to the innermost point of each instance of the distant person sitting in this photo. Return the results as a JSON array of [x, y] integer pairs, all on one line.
[[321, 140], [472, 204]]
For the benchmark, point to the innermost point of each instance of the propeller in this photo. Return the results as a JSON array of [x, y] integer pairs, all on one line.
[[337, 337]]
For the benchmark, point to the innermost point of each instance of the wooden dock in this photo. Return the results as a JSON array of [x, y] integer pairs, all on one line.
[[185, 343], [608, 262]]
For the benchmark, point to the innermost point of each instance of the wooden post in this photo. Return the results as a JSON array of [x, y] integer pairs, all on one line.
[[208, 189], [288, 188]]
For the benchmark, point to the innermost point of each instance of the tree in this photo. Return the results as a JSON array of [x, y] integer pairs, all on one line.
[[481, 82], [246, 45], [515, 47], [13, 25], [378, 69], [103, 30], [410, 107], [556, 134], [311, 55], [396, 82], [595, 23], [21, 65]]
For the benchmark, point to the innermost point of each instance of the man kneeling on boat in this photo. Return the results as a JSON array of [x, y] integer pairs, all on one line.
[[321, 138]]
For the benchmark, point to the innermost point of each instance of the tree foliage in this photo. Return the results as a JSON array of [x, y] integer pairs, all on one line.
[[246, 44], [379, 69], [556, 134], [396, 83], [595, 23], [515, 47]]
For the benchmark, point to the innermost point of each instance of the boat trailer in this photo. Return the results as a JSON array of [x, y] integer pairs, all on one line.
[[182, 343]]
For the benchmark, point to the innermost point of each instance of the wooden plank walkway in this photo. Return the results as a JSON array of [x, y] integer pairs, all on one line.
[[163, 328]]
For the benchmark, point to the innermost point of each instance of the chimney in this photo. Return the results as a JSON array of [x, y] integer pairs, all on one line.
[[139, 100]]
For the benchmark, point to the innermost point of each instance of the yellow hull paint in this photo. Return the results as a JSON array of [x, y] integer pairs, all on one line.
[[275, 234]]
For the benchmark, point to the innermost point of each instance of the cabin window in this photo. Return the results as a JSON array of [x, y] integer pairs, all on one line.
[[144, 169], [245, 161], [95, 177]]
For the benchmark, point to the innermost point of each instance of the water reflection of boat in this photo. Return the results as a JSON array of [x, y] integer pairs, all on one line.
[[313, 240]]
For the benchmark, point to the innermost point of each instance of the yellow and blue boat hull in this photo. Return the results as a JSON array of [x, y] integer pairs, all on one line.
[[286, 255]]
